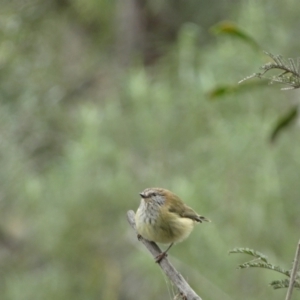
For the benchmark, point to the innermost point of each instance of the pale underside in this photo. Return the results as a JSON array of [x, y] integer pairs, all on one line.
[[175, 230]]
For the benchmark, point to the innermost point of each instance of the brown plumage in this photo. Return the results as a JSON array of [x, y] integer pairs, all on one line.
[[164, 218]]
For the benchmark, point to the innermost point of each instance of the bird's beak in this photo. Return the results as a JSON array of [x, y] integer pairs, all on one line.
[[143, 195]]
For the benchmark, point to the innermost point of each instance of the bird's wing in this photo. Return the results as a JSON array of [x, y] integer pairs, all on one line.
[[190, 213], [184, 211]]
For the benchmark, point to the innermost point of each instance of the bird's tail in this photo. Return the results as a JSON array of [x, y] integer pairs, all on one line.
[[203, 219]]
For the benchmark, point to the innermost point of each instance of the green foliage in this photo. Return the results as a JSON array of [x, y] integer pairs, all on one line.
[[290, 76], [276, 284], [264, 266], [283, 122], [233, 30], [251, 252], [284, 283], [220, 91], [81, 137]]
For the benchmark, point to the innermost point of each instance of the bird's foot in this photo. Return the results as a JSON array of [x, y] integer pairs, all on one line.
[[160, 256], [180, 296]]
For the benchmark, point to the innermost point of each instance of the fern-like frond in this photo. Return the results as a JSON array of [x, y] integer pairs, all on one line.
[[264, 266], [251, 252], [279, 284], [284, 283], [290, 74]]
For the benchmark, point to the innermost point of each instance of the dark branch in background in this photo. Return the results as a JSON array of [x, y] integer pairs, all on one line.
[[185, 290], [290, 75]]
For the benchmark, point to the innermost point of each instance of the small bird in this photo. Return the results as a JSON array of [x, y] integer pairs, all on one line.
[[162, 217]]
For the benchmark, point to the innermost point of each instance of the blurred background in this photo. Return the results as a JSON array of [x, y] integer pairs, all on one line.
[[101, 99]]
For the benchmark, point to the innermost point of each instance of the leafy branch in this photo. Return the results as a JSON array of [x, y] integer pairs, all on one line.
[[284, 283], [264, 266], [290, 75], [251, 252], [261, 261]]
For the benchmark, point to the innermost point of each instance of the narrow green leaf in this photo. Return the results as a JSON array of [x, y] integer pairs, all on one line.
[[283, 123], [221, 90], [232, 29], [224, 90]]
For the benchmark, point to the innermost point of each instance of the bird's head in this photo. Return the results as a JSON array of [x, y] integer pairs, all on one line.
[[155, 195]]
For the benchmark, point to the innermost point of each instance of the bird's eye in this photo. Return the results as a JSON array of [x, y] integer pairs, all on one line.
[[154, 194]]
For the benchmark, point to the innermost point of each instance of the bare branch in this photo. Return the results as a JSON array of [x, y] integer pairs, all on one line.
[[294, 273], [187, 292]]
